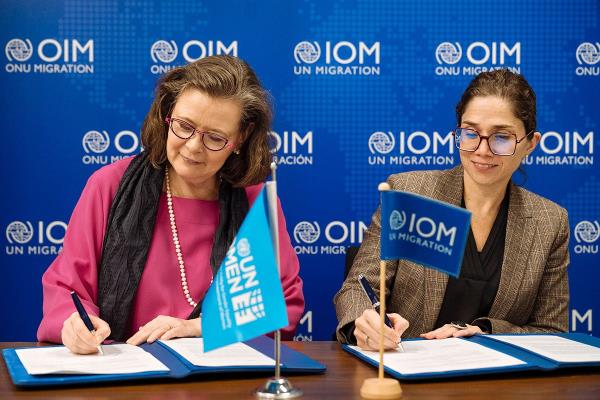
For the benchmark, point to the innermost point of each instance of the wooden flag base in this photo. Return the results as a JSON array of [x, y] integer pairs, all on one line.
[[381, 388]]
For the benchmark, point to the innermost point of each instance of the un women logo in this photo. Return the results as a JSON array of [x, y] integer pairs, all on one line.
[[448, 53], [243, 247]]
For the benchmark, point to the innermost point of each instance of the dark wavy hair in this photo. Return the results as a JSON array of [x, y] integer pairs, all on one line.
[[507, 85], [224, 77]]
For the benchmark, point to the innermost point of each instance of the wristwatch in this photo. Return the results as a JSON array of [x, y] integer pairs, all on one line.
[[460, 325]]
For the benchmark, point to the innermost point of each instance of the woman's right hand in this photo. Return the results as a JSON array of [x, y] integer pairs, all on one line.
[[367, 332], [77, 337]]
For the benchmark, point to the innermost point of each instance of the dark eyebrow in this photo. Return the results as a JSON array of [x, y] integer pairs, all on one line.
[[211, 130], [494, 127]]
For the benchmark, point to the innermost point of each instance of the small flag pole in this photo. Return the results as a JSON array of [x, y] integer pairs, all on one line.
[[276, 387], [380, 387]]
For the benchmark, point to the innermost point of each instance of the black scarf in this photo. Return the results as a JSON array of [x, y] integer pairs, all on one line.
[[129, 232]]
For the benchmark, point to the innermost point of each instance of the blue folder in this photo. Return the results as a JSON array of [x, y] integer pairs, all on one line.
[[291, 362], [533, 361]]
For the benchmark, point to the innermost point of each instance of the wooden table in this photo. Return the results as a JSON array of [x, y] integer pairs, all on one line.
[[342, 380]]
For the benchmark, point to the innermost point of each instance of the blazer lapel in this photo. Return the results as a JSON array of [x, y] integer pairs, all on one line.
[[520, 233], [449, 190]]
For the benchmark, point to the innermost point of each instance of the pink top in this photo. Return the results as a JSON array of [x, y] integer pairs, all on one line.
[[159, 291]]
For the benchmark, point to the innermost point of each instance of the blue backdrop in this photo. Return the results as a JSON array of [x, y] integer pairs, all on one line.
[[362, 89]]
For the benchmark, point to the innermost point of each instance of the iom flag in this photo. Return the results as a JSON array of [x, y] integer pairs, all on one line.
[[246, 299], [423, 230]]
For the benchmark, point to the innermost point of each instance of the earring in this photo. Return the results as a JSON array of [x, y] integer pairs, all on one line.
[[237, 151]]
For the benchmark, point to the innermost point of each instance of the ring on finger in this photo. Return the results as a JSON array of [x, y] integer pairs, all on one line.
[[458, 325]]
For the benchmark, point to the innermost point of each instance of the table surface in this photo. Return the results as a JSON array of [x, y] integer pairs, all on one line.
[[342, 380]]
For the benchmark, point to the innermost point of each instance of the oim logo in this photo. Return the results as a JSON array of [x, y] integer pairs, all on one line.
[[307, 232], [397, 219], [381, 142], [307, 52], [18, 50], [586, 234], [163, 51], [19, 232]]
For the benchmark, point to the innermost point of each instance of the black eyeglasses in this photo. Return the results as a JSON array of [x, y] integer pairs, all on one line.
[[185, 130], [500, 143]]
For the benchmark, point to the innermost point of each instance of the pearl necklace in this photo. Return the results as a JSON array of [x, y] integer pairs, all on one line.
[[184, 284]]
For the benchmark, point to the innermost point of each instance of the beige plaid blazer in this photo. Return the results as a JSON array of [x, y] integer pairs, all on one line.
[[533, 295]]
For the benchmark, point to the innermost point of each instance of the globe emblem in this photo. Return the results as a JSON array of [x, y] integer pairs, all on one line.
[[19, 50], [19, 232], [163, 51], [588, 53], [381, 143], [587, 231], [448, 53], [307, 232], [307, 52], [95, 141], [243, 247], [397, 219]]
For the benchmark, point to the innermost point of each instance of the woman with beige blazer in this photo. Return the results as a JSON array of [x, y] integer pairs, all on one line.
[[514, 273]]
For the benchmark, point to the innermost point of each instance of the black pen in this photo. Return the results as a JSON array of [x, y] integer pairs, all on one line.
[[84, 316], [375, 301]]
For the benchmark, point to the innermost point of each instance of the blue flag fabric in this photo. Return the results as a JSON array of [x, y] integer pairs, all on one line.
[[246, 299], [423, 230]]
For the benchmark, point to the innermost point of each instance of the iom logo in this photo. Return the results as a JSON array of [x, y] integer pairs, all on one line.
[[163, 51], [307, 232], [337, 58], [307, 52], [96, 142], [45, 239], [397, 220], [588, 55], [19, 232], [448, 53], [381, 142], [18, 50], [411, 148], [586, 233]]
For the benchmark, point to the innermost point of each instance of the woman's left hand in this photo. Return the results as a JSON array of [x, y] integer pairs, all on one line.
[[448, 330], [165, 328]]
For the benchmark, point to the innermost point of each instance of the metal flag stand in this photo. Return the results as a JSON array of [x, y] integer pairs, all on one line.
[[276, 387], [380, 387]]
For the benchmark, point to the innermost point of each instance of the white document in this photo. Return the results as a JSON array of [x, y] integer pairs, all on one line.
[[441, 355], [117, 359], [554, 347], [238, 354]]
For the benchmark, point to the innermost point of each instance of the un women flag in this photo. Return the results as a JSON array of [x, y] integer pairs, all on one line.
[[423, 230], [246, 299]]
